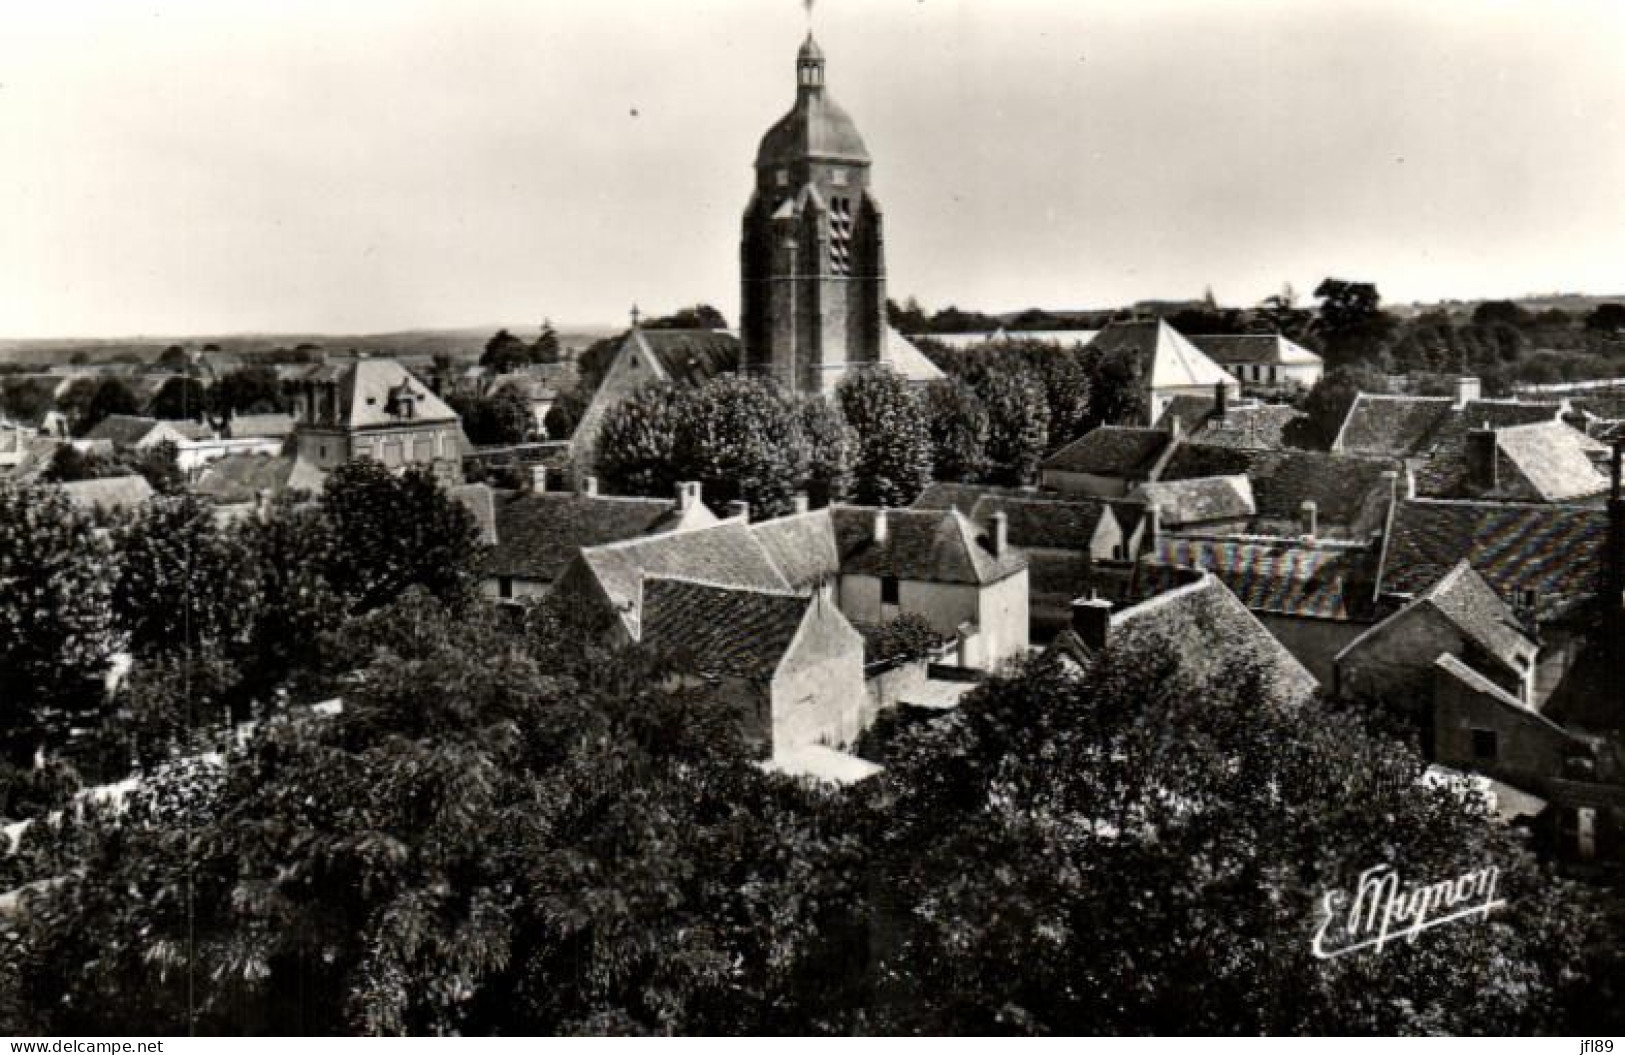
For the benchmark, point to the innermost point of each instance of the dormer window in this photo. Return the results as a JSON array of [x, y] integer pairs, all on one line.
[[838, 177], [782, 177]]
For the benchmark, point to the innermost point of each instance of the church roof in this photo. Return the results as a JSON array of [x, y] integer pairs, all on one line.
[[815, 127]]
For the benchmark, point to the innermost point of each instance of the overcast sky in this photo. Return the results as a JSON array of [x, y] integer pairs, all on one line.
[[367, 165]]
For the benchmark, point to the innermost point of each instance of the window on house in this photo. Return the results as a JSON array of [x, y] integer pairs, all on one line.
[[889, 590], [1485, 744], [505, 588]]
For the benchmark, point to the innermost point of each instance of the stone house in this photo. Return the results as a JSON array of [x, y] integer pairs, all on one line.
[[1267, 360], [789, 665], [374, 408]]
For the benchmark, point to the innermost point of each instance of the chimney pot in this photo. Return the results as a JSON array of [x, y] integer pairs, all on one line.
[[800, 500], [1001, 533], [538, 479], [1092, 621], [1221, 399], [1483, 468], [1153, 518], [1309, 513], [589, 485], [882, 531], [1467, 390], [688, 495]]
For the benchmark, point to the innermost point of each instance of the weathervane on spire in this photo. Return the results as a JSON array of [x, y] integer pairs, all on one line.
[[635, 316]]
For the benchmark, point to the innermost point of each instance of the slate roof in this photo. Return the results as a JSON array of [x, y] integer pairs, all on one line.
[[1167, 358], [539, 534], [1254, 426], [720, 630], [1200, 500], [724, 554], [108, 493], [1443, 473], [1350, 493], [238, 478], [1201, 625], [371, 389], [1556, 550], [1230, 349], [1474, 608], [802, 546], [922, 545], [1414, 426], [1283, 577], [1555, 460], [1111, 450], [127, 430], [691, 356], [1034, 519]]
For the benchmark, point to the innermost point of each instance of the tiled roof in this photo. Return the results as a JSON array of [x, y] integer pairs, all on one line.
[[1200, 500], [724, 554], [691, 356], [921, 545], [1555, 460], [1350, 494], [108, 492], [1413, 426], [1230, 349], [372, 391], [1168, 359], [1034, 519], [1202, 625], [1556, 550], [1474, 608], [1283, 577], [1111, 450], [238, 478], [1254, 426], [802, 546], [538, 534], [720, 630], [1443, 473]]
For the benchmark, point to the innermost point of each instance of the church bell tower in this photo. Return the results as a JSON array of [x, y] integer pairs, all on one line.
[[812, 256]]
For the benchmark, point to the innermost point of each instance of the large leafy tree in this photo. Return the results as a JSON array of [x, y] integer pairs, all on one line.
[[893, 462], [88, 403], [393, 532], [831, 447], [959, 430], [57, 634], [742, 437], [1352, 322], [501, 418], [248, 390], [1327, 405], [180, 399], [1018, 424], [638, 441]]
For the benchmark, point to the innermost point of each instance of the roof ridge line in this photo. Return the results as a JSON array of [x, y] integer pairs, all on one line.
[[644, 578]]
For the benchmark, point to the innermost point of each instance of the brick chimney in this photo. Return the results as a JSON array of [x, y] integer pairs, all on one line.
[[688, 495], [1467, 390], [589, 485], [882, 532], [1001, 533], [1308, 519], [1221, 399], [1482, 462], [1092, 621], [538, 479]]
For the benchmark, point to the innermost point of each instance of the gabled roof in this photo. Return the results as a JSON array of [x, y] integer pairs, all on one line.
[[539, 534], [1392, 425], [1323, 581], [1034, 519], [921, 545], [722, 630], [238, 478], [724, 554], [127, 430], [690, 356], [108, 493], [1168, 359], [1200, 500], [1253, 426], [1201, 626], [1350, 493], [1554, 460], [1555, 550], [377, 391], [802, 546], [1111, 450], [1474, 608], [1268, 348]]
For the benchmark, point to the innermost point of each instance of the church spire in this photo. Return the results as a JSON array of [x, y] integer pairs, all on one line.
[[810, 64]]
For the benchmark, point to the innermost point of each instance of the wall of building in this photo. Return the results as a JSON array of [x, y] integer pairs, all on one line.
[[1087, 484], [818, 695], [1003, 620], [1313, 642], [1529, 749], [1394, 664]]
